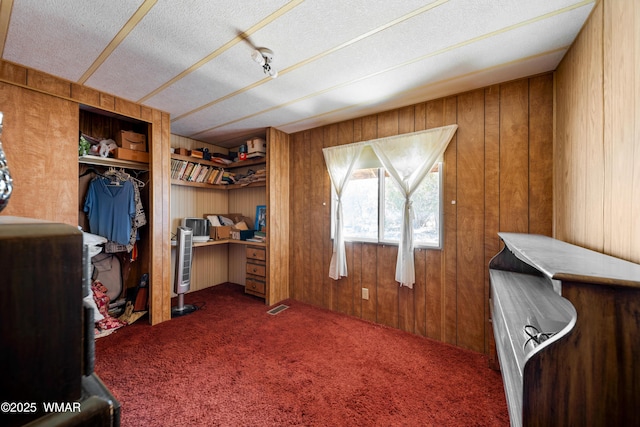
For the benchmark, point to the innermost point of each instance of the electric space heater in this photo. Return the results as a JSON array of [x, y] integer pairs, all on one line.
[[182, 280]]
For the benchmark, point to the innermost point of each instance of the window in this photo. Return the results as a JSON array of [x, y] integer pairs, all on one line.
[[408, 159], [366, 219]]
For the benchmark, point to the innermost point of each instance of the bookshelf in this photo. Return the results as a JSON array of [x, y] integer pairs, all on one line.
[[209, 171]]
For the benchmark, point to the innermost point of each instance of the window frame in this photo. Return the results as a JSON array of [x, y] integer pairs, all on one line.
[[381, 206]]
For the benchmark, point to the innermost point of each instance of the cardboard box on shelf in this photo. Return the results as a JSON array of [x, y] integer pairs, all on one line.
[[136, 156], [218, 232], [256, 145], [131, 140], [241, 234], [183, 151], [223, 232]]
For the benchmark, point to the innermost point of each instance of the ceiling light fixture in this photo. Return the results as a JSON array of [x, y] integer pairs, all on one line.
[[264, 56]]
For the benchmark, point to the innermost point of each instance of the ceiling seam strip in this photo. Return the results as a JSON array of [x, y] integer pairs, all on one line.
[[115, 42], [404, 64], [288, 7], [364, 103], [450, 79], [318, 56], [6, 7]]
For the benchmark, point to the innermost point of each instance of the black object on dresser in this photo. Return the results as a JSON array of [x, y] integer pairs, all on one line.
[[46, 361]]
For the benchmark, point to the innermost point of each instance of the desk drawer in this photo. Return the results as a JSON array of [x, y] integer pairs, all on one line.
[[256, 269], [256, 253], [255, 285]]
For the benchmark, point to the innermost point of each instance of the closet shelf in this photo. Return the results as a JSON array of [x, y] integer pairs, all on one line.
[[108, 161]]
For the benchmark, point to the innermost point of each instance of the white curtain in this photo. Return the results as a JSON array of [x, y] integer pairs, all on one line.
[[340, 161], [408, 159]]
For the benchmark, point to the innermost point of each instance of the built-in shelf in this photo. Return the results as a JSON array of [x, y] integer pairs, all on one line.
[[217, 186], [116, 163], [235, 165]]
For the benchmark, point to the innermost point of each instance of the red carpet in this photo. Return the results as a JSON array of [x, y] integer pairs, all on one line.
[[233, 364]]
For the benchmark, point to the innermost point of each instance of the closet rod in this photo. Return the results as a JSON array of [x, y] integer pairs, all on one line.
[[108, 161]]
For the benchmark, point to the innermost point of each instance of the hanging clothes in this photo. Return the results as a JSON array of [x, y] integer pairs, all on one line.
[[111, 208], [139, 220]]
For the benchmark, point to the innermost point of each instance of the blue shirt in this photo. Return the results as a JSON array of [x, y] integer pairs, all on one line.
[[111, 209]]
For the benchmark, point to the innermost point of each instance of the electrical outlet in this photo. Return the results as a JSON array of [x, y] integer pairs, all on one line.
[[365, 293]]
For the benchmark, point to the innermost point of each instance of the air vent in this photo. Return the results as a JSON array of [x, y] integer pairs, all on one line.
[[278, 309]]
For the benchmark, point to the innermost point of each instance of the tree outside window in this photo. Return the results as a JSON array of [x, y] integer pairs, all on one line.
[[368, 220]]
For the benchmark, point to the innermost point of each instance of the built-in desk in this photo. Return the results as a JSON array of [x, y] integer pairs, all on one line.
[[224, 242], [231, 241], [255, 261]]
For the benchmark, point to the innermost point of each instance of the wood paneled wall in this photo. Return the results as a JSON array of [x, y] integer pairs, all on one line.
[[278, 216], [596, 156], [497, 177], [40, 131]]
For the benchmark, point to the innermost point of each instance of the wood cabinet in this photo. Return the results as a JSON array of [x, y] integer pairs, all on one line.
[[256, 271], [567, 332]]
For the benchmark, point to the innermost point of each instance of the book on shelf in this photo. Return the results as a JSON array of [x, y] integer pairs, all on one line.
[[206, 177], [194, 172], [184, 170], [258, 236], [187, 171], [202, 173]]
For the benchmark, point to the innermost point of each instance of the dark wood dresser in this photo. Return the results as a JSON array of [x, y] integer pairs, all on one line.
[[46, 361], [566, 322]]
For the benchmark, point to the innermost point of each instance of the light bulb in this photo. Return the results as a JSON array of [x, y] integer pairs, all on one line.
[[257, 56]]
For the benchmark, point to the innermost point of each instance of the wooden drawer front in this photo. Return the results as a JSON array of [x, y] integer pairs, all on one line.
[[256, 253], [256, 269], [255, 285]]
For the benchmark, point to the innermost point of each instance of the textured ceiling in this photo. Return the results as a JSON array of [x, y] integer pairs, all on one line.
[[337, 59]]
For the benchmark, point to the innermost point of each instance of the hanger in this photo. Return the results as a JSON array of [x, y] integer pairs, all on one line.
[[102, 175], [138, 181], [125, 176], [112, 173], [88, 171], [122, 175]]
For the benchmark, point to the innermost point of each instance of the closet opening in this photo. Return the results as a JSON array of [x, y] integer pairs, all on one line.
[[114, 215]]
